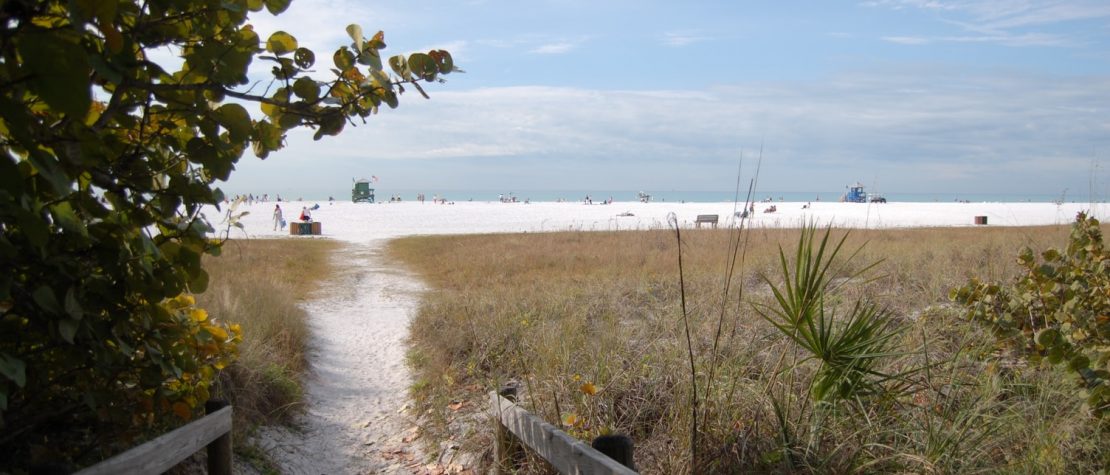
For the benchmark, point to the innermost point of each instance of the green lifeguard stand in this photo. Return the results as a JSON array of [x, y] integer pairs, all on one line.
[[362, 191]]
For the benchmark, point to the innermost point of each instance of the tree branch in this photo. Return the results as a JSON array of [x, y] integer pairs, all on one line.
[[418, 88]]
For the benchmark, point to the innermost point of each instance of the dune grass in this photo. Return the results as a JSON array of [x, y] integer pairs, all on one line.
[[258, 283], [592, 326]]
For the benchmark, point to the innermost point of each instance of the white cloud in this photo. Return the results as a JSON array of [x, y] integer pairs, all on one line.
[[682, 38], [1027, 39], [1000, 15], [554, 48], [916, 129], [908, 40], [1031, 39], [497, 43], [1004, 22], [535, 43]]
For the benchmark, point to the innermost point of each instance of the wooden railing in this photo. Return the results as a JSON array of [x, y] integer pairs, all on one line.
[[156, 456], [516, 426]]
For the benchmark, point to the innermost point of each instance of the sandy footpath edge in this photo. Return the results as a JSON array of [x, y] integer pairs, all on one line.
[[357, 418]]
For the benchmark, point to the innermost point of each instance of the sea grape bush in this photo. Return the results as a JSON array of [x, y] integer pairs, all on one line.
[[106, 161], [1057, 310]]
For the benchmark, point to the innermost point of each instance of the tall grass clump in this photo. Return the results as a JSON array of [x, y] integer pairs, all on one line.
[[259, 285], [823, 360]]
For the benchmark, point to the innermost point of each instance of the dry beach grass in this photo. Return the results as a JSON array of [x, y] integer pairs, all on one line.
[[258, 284], [591, 325]]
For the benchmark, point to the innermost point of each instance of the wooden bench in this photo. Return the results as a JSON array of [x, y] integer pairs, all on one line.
[[706, 218], [300, 228]]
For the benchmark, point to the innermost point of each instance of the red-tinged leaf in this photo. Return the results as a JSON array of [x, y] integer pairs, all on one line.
[[378, 41], [182, 410]]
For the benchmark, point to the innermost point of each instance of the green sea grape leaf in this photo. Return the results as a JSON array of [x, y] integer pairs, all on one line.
[[281, 43], [355, 32], [236, 120], [307, 89], [276, 6], [304, 58], [72, 305], [400, 66], [344, 59], [14, 369], [45, 298], [59, 69], [67, 327], [422, 65]]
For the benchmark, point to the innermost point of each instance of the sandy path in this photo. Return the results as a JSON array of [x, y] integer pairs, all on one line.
[[356, 419]]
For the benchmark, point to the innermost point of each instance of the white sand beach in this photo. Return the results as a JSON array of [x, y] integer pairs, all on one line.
[[357, 419], [365, 222]]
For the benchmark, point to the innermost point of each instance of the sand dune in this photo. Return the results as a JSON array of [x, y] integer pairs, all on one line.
[[356, 420]]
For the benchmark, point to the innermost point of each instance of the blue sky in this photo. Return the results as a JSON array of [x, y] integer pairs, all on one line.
[[923, 96]]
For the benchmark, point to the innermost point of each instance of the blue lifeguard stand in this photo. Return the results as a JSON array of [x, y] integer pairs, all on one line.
[[855, 194]]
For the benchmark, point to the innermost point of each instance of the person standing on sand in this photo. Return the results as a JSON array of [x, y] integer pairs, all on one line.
[[279, 220]]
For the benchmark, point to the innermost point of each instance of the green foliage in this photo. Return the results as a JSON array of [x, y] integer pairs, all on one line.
[[106, 162], [848, 347], [836, 356], [1057, 310]]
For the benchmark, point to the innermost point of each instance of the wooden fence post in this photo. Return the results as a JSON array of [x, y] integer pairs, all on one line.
[[506, 449], [219, 450], [616, 447]]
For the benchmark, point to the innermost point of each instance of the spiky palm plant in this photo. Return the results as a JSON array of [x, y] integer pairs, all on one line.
[[849, 346]]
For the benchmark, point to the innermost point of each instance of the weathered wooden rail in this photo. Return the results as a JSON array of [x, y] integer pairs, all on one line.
[[156, 456], [516, 426]]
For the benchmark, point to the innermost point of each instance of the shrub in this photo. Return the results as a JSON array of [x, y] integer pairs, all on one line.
[[1057, 310], [107, 161]]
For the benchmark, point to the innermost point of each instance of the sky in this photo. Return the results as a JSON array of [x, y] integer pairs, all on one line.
[[907, 96]]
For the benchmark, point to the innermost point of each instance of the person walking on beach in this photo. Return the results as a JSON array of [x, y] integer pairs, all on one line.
[[279, 220]]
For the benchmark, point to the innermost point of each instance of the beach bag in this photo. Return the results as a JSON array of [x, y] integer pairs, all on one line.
[[282, 223]]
